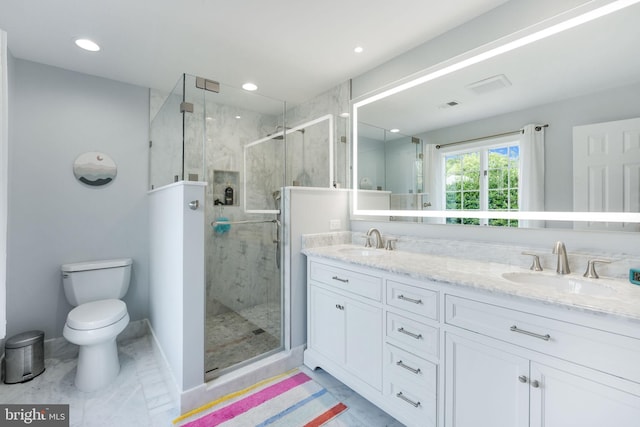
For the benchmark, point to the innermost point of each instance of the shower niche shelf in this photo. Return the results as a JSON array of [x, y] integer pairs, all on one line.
[[222, 180]]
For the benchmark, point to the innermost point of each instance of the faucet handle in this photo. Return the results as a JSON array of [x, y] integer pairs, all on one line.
[[535, 265], [591, 268], [390, 244]]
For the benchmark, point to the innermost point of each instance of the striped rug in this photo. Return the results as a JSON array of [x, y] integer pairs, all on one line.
[[291, 399]]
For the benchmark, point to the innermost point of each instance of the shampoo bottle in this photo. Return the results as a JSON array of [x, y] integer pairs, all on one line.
[[228, 196]]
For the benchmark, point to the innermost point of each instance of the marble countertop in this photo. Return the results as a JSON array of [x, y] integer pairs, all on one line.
[[621, 298]]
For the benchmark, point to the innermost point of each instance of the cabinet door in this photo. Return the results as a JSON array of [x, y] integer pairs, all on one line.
[[484, 386], [327, 324], [582, 398], [364, 342]]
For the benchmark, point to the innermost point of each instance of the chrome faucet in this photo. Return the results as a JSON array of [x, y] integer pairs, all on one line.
[[379, 241], [563, 264]]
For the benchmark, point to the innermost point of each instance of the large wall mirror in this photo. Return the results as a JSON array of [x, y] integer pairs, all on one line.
[[520, 133]]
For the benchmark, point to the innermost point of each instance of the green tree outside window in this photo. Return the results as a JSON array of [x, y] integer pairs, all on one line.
[[483, 179]]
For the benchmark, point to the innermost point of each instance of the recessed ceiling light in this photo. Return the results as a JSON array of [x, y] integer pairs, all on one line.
[[358, 49], [238, 117], [344, 115], [87, 44], [249, 86], [394, 130]]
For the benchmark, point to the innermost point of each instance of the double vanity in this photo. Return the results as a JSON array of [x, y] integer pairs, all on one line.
[[449, 341]]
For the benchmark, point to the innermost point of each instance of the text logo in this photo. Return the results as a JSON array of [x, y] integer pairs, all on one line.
[[34, 415]]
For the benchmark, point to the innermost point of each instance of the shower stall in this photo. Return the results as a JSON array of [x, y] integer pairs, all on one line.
[[201, 134], [240, 148]]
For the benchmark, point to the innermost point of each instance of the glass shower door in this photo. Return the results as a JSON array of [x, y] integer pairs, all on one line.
[[242, 243]]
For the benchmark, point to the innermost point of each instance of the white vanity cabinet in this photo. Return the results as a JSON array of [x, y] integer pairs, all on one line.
[[347, 332], [378, 334], [440, 355], [482, 385], [512, 368], [345, 325]]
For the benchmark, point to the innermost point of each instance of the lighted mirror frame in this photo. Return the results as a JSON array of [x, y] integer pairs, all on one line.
[[328, 118], [558, 24]]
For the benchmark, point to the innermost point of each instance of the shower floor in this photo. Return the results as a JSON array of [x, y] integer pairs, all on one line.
[[233, 337]]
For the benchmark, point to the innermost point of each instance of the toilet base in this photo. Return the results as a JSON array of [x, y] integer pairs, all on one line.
[[98, 365]]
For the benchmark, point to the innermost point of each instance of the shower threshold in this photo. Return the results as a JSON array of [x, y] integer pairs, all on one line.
[[214, 374]]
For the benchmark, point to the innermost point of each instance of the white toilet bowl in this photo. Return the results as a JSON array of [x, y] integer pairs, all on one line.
[[94, 327]]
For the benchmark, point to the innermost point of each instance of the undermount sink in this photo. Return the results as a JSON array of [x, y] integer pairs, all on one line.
[[361, 251], [563, 283]]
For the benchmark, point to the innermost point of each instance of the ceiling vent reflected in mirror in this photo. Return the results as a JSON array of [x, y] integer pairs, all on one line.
[[448, 105], [490, 84]]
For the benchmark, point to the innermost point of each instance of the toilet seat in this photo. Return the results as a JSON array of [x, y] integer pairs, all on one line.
[[96, 314]]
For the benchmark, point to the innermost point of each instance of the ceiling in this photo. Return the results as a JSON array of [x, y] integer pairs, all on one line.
[[292, 49]]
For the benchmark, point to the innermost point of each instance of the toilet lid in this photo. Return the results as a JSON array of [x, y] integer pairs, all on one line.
[[96, 314]]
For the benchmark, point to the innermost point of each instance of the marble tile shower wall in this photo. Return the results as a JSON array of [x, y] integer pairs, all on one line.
[[241, 270], [335, 102], [240, 262]]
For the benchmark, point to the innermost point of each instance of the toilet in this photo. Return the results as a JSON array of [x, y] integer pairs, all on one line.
[[95, 289]]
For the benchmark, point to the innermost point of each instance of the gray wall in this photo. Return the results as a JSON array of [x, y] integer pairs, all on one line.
[[55, 115]]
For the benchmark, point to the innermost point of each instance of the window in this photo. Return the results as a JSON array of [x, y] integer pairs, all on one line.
[[482, 178]]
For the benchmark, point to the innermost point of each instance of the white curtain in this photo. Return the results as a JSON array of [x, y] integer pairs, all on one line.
[[531, 182], [4, 165], [435, 186]]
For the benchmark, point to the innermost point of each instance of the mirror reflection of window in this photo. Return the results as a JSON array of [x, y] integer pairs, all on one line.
[[482, 178]]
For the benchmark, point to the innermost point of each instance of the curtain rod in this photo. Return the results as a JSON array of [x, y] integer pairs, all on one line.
[[515, 132]]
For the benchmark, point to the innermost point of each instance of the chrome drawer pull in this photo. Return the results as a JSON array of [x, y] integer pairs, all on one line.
[[546, 337], [411, 334], [340, 280], [408, 368], [415, 301], [403, 397]]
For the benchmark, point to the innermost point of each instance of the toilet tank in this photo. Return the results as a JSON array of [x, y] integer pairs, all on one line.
[[95, 280]]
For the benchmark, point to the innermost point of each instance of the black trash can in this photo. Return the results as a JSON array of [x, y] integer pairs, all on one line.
[[23, 357]]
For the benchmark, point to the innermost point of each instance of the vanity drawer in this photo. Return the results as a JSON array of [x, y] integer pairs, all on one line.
[[421, 301], [401, 365], [594, 348], [417, 337], [347, 280], [413, 396]]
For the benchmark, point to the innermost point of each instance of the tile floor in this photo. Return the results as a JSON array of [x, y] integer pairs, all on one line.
[[141, 396], [234, 337], [138, 397], [361, 412]]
